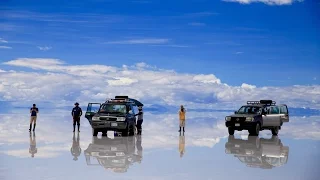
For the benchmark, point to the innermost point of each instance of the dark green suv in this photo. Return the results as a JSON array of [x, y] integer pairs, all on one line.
[[114, 115]]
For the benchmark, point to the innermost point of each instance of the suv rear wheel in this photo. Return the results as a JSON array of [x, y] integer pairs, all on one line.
[[94, 132], [231, 131], [275, 131]]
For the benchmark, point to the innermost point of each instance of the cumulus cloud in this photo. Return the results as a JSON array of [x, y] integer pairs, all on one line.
[[268, 2], [60, 83], [44, 48]]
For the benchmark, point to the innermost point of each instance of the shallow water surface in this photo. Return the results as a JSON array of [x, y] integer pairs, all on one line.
[[204, 151]]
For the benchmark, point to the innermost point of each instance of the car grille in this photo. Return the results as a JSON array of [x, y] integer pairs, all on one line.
[[238, 119], [108, 118]]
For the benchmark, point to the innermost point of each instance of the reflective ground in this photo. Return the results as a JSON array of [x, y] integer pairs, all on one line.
[[205, 151]]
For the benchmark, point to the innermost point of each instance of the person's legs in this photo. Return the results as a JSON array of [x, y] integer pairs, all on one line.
[[78, 123], [34, 122], [180, 125], [31, 120], [139, 126], [74, 124], [183, 124]]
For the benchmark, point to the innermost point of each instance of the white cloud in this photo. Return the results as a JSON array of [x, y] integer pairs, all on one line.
[[239, 52], [86, 83], [247, 86], [196, 24], [140, 41], [44, 48], [5, 47], [3, 41], [268, 2]]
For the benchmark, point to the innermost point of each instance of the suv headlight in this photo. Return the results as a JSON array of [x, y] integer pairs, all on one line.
[[228, 118], [95, 118], [121, 119], [249, 119]]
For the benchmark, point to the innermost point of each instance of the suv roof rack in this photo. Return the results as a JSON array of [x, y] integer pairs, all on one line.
[[121, 97], [262, 102]]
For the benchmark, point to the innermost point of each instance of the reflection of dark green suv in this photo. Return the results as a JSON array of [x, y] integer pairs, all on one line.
[[114, 115], [116, 154], [257, 116]]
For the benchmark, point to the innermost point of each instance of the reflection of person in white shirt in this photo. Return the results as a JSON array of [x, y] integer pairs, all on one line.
[[75, 149], [33, 145]]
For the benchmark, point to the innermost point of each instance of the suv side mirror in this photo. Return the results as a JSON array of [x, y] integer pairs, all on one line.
[[235, 112]]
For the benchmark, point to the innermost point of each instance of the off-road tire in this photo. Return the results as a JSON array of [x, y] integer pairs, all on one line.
[[94, 132], [126, 132], [231, 131], [275, 131]]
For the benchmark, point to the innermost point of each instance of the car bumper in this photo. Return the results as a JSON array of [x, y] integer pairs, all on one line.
[[109, 125], [241, 125]]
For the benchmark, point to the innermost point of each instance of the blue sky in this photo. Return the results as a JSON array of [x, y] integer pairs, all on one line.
[[224, 38], [226, 45]]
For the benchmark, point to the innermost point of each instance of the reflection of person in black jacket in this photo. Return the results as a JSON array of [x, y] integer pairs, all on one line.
[[75, 149], [33, 145], [139, 148], [140, 120]]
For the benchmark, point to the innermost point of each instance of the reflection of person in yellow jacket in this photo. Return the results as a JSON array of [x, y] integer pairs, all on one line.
[[182, 117], [181, 145]]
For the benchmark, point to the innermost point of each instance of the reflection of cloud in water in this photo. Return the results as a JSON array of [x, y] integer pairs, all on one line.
[[54, 132]]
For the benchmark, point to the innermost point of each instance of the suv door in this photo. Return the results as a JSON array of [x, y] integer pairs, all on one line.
[[265, 114], [92, 109], [131, 115], [284, 113], [274, 116]]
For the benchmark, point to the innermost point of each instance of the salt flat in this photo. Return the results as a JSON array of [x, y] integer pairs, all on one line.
[[205, 151]]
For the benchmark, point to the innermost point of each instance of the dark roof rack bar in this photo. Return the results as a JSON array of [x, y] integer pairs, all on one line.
[[262, 102]]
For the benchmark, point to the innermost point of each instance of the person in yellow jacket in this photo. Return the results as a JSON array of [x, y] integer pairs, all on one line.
[[182, 117]]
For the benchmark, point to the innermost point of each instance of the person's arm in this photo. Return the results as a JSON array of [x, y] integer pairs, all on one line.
[[72, 112], [37, 110], [80, 112], [30, 110]]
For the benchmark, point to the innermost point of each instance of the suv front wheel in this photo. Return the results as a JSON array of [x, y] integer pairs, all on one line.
[[231, 131], [255, 130], [94, 132]]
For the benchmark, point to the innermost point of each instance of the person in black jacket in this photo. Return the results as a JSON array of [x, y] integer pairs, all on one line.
[[76, 114], [140, 120]]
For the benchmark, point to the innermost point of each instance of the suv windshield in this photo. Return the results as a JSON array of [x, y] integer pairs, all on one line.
[[249, 110], [113, 108]]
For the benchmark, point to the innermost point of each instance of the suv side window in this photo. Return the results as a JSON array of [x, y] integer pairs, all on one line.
[[274, 110], [283, 110], [131, 111]]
